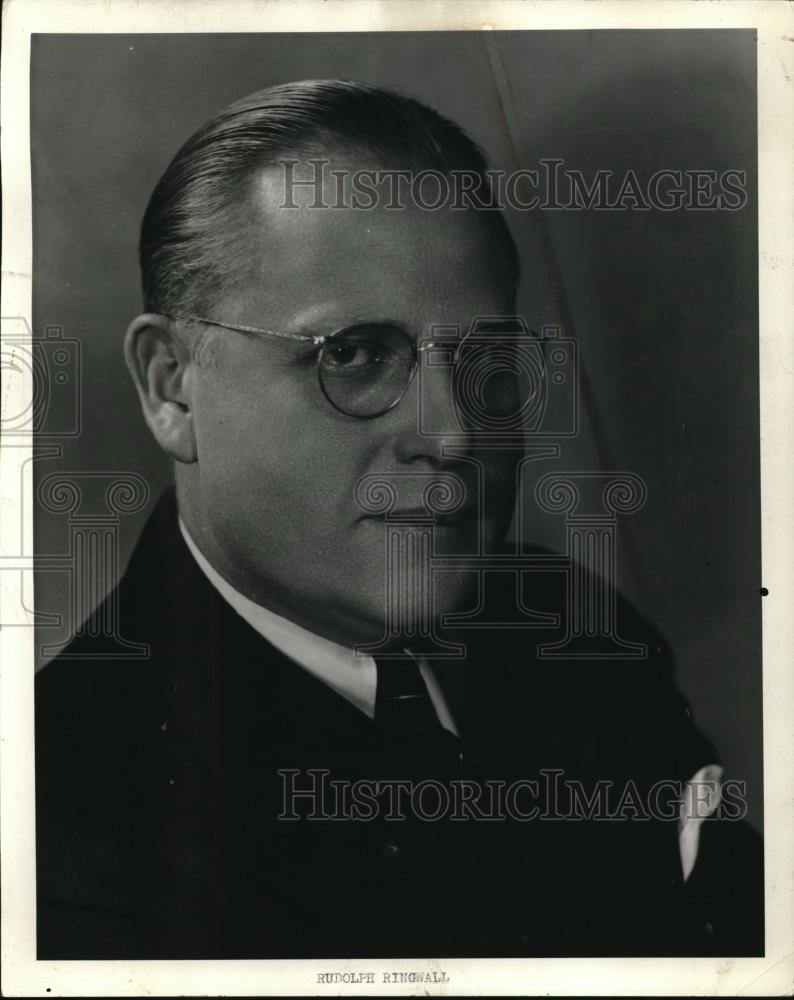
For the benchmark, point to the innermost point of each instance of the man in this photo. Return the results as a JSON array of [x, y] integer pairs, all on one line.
[[183, 803]]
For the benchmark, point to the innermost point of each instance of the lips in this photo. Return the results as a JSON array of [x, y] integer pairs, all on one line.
[[413, 515]]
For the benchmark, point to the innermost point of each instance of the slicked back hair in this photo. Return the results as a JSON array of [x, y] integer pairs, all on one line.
[[191, 243]]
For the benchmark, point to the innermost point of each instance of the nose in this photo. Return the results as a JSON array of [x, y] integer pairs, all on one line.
[[428, 424]]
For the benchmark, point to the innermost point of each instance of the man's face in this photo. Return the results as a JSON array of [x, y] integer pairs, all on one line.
[[273, 493]]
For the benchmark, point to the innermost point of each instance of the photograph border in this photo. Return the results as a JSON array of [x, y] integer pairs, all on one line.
[[22, 975]]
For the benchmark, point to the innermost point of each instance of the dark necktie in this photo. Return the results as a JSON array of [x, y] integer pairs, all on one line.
[[406, 715]]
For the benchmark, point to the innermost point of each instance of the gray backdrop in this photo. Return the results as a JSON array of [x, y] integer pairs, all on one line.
[[664, 305]]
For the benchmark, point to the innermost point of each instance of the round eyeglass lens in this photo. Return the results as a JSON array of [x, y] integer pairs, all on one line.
[[364, 371]]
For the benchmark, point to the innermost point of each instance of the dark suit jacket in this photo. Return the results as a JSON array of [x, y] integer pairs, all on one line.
[[159, 792]]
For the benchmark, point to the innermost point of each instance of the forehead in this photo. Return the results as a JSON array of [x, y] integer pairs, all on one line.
[[408, 263]]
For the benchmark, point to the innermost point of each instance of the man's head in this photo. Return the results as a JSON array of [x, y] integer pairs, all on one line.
[[267, 467]]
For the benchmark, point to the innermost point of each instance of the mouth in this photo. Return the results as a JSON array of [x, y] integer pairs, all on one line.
[[464, 515]]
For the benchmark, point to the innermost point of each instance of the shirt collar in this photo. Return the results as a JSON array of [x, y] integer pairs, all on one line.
[[351, 675]]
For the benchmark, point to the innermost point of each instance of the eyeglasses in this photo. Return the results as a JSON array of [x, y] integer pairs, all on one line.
[[365, 370]]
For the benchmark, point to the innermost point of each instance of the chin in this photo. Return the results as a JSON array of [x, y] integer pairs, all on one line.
[[367, 621], [454, 591]]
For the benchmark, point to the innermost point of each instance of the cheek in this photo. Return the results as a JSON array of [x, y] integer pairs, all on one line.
[[239, 414], [271, 444]]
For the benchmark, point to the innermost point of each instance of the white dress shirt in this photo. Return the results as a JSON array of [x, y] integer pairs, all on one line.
[[350, 674], [354, 677]]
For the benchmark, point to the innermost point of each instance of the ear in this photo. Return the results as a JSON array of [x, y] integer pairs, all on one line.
[[161, 367]]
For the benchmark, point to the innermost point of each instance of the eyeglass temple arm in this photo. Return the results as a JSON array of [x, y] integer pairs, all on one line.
[[303, 338], [256, 331]]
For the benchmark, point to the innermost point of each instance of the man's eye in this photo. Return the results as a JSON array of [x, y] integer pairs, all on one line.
[[357, 355]]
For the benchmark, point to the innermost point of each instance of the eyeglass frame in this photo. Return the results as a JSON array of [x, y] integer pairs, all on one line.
[[321, 340]]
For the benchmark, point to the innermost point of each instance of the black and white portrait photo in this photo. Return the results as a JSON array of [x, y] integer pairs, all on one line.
[[387, 573]]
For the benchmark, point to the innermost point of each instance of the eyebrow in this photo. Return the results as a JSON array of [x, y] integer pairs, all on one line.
[[315, 327]]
